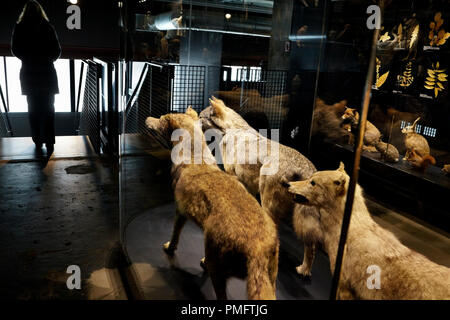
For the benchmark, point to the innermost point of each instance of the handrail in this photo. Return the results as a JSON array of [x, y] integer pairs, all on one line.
[[136, 91]]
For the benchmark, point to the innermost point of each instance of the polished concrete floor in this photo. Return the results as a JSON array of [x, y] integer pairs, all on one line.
[[65, 147], [55, 214]]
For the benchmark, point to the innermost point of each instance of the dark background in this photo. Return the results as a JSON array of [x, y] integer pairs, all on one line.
[[99, 26]]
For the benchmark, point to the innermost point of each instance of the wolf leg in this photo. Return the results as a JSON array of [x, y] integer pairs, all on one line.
[[308, 258], [219, 283], [273, 270], [171, 246], [218, 277]]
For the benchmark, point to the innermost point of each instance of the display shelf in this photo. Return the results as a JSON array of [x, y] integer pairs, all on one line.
[[423, 195]]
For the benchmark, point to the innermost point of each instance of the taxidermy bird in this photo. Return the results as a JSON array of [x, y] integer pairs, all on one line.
[[415, 141]]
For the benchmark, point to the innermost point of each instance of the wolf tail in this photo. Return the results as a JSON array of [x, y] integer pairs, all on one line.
[[259, 285], [426, 161]]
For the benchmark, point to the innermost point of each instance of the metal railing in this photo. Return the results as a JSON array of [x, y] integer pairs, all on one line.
[[89, 121], [5, 124], [263, 91], [162, 89]]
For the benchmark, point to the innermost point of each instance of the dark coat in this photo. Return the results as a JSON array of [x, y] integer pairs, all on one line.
[[38, 47]]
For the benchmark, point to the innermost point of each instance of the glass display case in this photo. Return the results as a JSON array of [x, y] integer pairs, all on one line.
[[298, 72]]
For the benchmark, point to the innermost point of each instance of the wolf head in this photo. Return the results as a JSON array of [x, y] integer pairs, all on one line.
[[323, 189], [219, 116], [163, 127]]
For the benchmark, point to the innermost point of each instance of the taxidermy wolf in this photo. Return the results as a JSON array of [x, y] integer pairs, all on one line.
[[240, 237], [257, 176], [403, 273]]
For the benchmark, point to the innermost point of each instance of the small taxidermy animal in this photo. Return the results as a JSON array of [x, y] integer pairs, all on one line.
[[328, 122], [372, 135], [388, 151], [446, 168], [415, 141], [420, 163]]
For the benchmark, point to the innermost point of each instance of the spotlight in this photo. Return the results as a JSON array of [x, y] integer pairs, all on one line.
[[73, 1], [228, 16]]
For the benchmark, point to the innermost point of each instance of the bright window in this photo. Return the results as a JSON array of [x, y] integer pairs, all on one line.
[[18, 102]]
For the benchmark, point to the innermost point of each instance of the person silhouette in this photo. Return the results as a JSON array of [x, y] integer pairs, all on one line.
[[35, 43]]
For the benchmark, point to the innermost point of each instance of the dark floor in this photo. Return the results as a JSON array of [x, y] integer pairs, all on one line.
[[182, 277], [56, 214], [65, 147]]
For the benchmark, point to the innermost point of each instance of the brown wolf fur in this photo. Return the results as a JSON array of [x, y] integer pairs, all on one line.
[[274, 196], [240, 238], [405, 274]]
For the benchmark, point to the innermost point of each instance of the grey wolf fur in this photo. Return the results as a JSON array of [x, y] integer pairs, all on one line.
[[274, 196], [405, 274], [240, 237]]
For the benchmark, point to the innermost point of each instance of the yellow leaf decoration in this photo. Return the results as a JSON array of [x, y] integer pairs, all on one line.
[[437, 37], [435, 78], [414, 36], [385, 37], [406, 79], [381, 80]]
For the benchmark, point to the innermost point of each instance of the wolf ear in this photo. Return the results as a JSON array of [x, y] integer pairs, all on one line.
[[415, 123], [341, 167], [192, 113], [217, 106], [340, 185]]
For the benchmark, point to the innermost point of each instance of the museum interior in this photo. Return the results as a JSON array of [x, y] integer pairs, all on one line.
[[358, 85]]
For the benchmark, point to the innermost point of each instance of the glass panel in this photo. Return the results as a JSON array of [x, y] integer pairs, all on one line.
[[298, 70], [405, 149]]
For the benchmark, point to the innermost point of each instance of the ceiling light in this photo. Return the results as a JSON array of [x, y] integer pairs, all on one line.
[[73, 1], [228, 16]]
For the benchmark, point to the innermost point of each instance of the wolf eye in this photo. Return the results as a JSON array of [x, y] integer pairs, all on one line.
[[337, 182], [313, 183]]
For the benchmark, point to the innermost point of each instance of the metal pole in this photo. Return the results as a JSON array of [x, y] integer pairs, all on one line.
[[6, 82], [72, 84], [355, 171], [80, 81]]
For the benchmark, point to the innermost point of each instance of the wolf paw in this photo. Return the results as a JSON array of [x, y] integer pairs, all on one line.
[[303, 271], [203, 263], [168, 249]]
